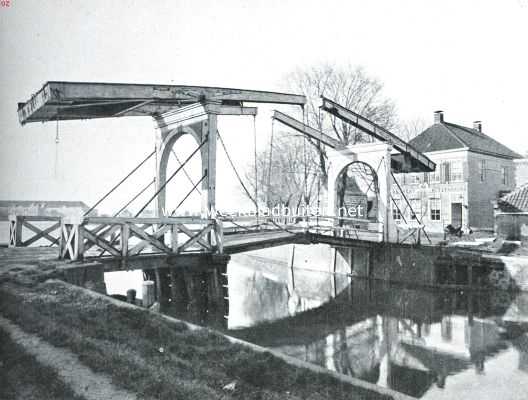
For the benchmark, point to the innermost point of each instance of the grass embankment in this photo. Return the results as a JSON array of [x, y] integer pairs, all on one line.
[[156, 358], [22, 377]]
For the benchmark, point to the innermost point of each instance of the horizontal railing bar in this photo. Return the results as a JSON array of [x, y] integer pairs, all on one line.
[[39, 217], [162, 220]]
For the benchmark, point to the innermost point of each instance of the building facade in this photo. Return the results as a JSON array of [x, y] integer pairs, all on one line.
[[521, 171], [472, 172]]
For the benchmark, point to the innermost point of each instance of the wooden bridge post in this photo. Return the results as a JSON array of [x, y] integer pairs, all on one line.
[[125, 235], [174, 238], [219, 236], [15, 230], [209, 129], [71, 239]]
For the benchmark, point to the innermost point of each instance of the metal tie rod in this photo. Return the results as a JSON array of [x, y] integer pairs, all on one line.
[[119, 184]]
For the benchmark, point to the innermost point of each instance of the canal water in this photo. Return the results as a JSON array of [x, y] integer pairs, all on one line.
[[427, 343]]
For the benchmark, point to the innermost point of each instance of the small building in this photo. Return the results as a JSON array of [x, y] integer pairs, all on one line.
[[41, 208], [472, 172], [511, 218]]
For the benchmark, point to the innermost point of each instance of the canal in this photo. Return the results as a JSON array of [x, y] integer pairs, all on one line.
[[429, 343]]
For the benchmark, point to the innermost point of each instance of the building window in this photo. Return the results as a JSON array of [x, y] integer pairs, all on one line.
[[444, 172], [504, 174], [434, 177], [482, 170], [396, 210], [426, 177], [434, 206], [456, 172]]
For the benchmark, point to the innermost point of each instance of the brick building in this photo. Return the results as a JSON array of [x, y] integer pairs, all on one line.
[[472, 172]]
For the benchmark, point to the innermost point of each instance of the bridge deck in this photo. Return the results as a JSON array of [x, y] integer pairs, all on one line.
[[233, 244]]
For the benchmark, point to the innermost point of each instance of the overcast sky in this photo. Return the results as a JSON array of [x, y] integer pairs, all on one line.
[[468, 58]]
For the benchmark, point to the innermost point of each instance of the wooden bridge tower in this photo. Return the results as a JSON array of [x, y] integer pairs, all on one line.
[[198, 120]]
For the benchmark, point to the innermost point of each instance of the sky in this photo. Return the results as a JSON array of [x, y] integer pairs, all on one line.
[[467, 58]]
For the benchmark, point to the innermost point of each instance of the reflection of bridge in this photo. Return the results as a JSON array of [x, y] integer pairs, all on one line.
[[407, 333], [194, 111]]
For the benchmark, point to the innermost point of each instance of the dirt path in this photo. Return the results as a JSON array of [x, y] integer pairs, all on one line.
[[81, 379]]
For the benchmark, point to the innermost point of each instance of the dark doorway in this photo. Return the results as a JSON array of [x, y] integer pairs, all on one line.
[[456, 214]]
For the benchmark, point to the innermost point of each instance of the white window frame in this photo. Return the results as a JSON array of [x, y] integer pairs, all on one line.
[[482, 170], [457, 171], [435, 213]]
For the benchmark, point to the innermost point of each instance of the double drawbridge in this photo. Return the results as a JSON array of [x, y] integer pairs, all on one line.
[[140, 242]]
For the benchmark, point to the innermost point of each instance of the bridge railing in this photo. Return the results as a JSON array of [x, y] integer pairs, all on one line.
[[346, 227], [129, 237], [26, 230], [245, 224]]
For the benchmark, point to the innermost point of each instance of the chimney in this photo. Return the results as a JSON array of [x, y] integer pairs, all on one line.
[[477, 125], [438, 117]]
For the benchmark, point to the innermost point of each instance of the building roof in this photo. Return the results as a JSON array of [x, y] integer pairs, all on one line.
[[42, 203], [516, 201], [448, 136]]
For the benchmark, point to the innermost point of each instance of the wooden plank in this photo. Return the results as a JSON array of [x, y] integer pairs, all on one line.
[[192, 261], [150, 239], [307, 130], [199, 111], [174, 238], [42, 233], [99, 100], [380, 133], [125, 234], [219, 235], [39, 218], [192, 234], [111, 230], [39, 233], [68, 238], [140, 246], [196, 239], [155, 221], [103, 244]]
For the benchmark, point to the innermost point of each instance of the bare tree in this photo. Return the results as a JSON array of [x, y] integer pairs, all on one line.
[[408, 130], [349, 86], [289, 175]]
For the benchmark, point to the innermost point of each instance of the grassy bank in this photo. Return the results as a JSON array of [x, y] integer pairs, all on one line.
[[157, 358], [23, 378]]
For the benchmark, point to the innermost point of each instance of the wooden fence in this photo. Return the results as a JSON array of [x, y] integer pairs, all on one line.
[[25, 231], [129, 237]]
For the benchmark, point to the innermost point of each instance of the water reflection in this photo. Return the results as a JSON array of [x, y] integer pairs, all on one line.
[[424, 343], [430, 344]]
